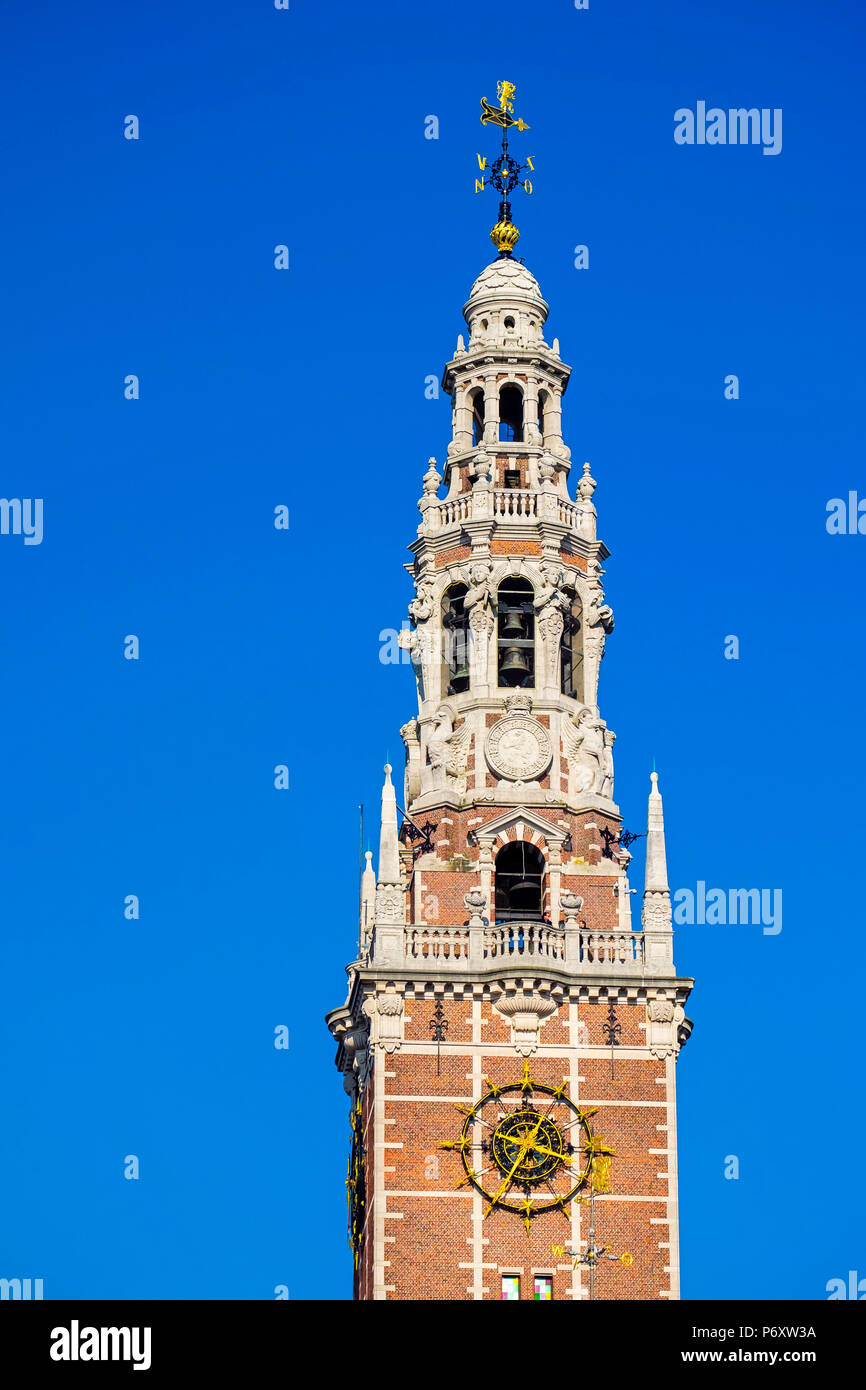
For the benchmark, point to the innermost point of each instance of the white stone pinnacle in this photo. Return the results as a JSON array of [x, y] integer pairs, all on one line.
[[389, 854], [656, 860], [368, 891]]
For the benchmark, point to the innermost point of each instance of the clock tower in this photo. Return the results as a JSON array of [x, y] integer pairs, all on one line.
[[510, 1035]]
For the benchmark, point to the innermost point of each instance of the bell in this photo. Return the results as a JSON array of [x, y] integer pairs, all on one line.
[[459, 679], [525, 895], [515, 666], [513, 624]]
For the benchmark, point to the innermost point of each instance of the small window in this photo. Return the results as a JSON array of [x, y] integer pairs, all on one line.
[[519, 883], [511, 1287], [512, 477], [571, 652], [509, 322], [455, 645], [543, 1287]]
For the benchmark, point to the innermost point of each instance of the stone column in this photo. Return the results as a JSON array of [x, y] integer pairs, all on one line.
[[462, 419], [554, 869], [571, 906], [531, 431], [491, 409]]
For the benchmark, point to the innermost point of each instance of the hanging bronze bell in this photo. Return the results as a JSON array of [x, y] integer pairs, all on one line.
[[459, 679], [515, 665], [513, 625], [525, 895]]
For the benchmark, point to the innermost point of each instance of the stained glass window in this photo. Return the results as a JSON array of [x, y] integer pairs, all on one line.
[[543, 1286], [511, 1286]]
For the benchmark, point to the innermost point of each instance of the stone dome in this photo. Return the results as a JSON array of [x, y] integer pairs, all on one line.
[[506, 279], [506, 306]]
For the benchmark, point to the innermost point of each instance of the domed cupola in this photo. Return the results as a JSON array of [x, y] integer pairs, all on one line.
[[506, 307]]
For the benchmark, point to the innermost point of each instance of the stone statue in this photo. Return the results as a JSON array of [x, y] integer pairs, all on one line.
[[447, 753], [583, 744], [551, 603], [421, 607], [476, 600]]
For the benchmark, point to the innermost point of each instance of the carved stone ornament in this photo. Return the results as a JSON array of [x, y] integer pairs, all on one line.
[[476, 901], [660, 1010], [526, 1013], [518, 747], [390, 906], [664, 1017], [571, 905], [385, 1012], [656, 913]]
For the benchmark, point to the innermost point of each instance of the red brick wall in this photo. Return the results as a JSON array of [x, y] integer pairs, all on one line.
[[434, 1233]]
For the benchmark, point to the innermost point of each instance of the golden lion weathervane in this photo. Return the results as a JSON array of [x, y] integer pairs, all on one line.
[[505, 173]]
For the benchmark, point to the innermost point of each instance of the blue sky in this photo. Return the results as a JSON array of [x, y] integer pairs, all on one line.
[[306, 388]]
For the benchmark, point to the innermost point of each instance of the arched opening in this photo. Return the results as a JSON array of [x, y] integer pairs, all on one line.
[[455, 641], [477, 402], [519, 883], [515, 636], [511, 414], [571, 652]]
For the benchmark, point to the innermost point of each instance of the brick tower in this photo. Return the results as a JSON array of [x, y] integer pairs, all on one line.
[[510, 1036]]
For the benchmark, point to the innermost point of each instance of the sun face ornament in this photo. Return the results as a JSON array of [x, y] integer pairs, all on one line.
[[527, 1148]]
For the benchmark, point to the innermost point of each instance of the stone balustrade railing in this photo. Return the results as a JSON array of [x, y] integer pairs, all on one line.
[[523, 939], [506, 505], [514, 505], [485, 947]]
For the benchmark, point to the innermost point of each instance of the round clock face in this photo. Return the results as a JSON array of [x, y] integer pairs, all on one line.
[[527, 1148]]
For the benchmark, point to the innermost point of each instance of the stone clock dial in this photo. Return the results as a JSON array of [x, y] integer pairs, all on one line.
[[519, 748]]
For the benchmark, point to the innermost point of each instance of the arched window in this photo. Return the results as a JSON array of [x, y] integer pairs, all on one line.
[[519, 883], [515, 637], [571, 652], [511, 414], [543, 401], [455, 641], [477, 416]]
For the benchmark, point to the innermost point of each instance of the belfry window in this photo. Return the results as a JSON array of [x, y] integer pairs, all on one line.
[[511, 414], [478, 417], [571, 652], [519, 883], [455, 641], [515, 638]]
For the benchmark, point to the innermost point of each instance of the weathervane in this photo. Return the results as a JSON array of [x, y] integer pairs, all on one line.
[[505, 173]]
